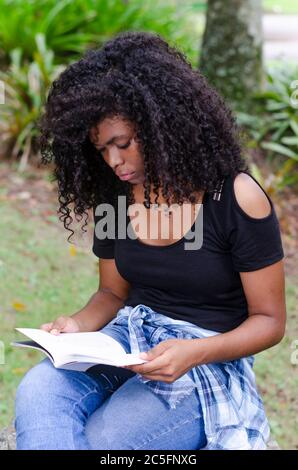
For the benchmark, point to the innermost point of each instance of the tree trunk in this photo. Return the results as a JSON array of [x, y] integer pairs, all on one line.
[[231, 57]]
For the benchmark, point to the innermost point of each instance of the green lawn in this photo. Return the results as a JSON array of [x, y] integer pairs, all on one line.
[[269, 6], [281, 6], [277, 377], [41, 278]]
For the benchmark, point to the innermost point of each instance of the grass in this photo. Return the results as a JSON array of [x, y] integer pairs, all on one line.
[[277, 377], [269, 6], [41, 277], [278, 6]]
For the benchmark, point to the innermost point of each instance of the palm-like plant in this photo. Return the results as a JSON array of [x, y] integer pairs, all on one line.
[[26, 86], [69, 26], [36, 35], [275, 127], [63, 24]]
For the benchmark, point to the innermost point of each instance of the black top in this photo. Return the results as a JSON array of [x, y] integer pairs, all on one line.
[[200, 286]]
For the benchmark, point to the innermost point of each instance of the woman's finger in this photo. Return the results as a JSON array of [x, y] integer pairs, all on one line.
[[58, 325], [47, 326]]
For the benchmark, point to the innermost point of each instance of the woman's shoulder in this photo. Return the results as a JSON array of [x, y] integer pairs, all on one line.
[[247, 196], [250, 196], [250, 224]]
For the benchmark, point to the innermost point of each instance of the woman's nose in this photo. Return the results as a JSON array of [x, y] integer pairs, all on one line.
[[114, 158]]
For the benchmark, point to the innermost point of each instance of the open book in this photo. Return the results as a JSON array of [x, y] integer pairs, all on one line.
[[78, 351]]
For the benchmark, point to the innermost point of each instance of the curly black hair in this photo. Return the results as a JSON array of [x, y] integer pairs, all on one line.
[[187, 135]]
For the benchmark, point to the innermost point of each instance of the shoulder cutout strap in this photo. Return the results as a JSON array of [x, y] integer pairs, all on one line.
[[218, 191]]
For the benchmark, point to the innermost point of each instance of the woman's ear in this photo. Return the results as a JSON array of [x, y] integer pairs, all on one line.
[[93, 133]]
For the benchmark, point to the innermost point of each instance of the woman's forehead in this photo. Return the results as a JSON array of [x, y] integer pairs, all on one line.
[[110, 125]]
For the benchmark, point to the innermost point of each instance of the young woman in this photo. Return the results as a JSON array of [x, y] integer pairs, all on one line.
[[134, 120]]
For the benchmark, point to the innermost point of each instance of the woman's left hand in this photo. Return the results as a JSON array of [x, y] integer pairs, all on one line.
[[168, 361]]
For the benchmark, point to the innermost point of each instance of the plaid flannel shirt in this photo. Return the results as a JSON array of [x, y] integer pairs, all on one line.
[[234, 416]]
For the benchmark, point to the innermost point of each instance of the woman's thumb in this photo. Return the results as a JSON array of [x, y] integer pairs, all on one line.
[[153, 353], [47, 326], [58, 325]]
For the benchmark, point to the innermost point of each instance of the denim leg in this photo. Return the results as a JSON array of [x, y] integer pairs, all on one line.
[[134, 417], [53, 405], [119, 333]]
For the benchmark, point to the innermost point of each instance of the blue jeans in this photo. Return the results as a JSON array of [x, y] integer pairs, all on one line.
[[104, 408]]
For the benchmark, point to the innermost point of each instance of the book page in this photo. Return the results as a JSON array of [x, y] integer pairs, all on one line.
[[45, 339], [94, 344], [91, 344], [33, 345]]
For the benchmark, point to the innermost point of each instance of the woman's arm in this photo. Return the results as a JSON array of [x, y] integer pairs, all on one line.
[[265, 293], [264, 290], [102, 306], [100, 310], [265, 326], [105, 303]]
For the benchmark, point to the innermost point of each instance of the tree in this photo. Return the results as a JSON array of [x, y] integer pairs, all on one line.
[[231, 56]]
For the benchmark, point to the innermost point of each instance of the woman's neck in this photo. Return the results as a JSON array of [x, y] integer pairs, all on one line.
[[139, 194]]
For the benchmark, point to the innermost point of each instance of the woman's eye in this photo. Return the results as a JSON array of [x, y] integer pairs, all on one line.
[[119, 146], [124, 146]]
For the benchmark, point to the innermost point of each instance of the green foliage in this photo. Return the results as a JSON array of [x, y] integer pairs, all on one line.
[[280, 6], [71, 26], [275, 126], [60, 22], [197, 6], [26, 85], [270, 6], [39, 273], [39, 38]]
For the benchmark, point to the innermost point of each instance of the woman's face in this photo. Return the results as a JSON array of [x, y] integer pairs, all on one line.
[[114, 138]]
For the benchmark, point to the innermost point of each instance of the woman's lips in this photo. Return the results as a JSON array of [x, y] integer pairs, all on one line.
[[127, 176]]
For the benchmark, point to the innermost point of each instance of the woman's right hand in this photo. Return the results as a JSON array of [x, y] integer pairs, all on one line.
[[62, 324]]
